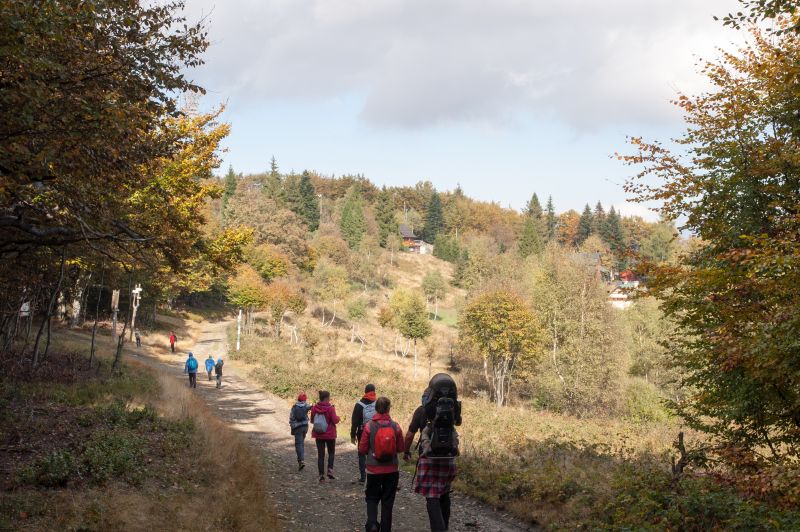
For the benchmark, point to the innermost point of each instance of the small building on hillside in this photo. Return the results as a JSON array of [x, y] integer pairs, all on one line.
[[412, 242], [620, 295]]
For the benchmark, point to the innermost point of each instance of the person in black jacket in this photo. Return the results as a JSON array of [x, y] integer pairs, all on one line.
[[362, 414]]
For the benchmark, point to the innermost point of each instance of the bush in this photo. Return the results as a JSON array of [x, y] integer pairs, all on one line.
[[52, 471], [643, 402], [114, 454]]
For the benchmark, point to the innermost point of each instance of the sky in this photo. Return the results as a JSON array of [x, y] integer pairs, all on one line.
[[504, 97]]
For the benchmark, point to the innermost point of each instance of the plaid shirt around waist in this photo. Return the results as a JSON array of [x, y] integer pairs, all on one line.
[[434, 476]]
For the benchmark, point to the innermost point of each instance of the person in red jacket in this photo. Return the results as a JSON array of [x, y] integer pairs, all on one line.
[[381, 442], [323, 430], [172, 340]]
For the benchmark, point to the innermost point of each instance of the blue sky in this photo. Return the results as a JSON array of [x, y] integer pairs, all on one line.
[[506, 98]]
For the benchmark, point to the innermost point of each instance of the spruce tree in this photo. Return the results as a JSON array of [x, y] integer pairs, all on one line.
[[434, 219], [598, 227], [273, 186], [230, 186], [585, 225], [385, 216], [615, 238], [353, 223], [534, 208], [530, 243], [550, 220], [309, 204]]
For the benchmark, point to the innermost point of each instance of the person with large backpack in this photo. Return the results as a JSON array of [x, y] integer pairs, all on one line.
[[191, 368], [323, 430], [298, 421], [381, 441], [435, 419], [363, 411]]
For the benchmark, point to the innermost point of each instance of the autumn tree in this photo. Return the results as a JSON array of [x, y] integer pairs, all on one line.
[[268, 261], [435, 288], [248, 291], [506, 333], [413, 324], [280, 299], [330, 286], [735, 296]]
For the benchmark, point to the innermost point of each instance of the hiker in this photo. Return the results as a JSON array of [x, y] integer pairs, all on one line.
[[381, 441], [191, 368], [435, 420], [210, 366], [323, 430], [172, 340], [298, 421], [362, 414], [138, 338], [218, 371]]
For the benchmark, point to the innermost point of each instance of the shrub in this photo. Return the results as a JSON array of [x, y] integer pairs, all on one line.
[[52, 471], [643, 402], [118, 454]]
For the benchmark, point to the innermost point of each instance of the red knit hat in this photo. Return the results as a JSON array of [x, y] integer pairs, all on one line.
[[302, 397]]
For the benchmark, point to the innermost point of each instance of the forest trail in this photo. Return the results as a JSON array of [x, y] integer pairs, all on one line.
[[303, 503]]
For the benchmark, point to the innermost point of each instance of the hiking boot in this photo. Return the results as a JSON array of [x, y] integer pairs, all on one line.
[[330, 474], [361, 480], [322, 479], [300, 465]]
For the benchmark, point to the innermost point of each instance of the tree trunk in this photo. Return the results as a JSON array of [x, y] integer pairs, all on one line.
[[415, 359], [120, 343], [436, 310], [49, 313]]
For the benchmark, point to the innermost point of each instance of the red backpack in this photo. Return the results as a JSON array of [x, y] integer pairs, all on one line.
[[384, 440]]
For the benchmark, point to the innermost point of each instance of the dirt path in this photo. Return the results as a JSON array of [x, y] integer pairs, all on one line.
[[302, 502]]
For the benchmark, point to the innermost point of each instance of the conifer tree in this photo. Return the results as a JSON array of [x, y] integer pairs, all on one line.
[[309, 204], [550, 220], [434, 218], [585, 225], [385, 216], [273, 187], [614, 236], [530, 243], [534, 208], [598, 227], [353, 223], [230, 186]]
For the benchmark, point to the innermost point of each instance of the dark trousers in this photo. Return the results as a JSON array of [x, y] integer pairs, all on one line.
[[439, 512], [172, 346], [192, 380], [321, 445], [380, 489], [219, 380], [209, 374], [300, 442], [362, 465]]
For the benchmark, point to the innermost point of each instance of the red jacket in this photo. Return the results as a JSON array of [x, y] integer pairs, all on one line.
[[363, 445], [329, 411]]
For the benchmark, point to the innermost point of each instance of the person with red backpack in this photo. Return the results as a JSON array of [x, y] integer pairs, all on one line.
[[381, 442]]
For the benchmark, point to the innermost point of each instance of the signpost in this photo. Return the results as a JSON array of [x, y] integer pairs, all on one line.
[[114, 310], [137, 295]]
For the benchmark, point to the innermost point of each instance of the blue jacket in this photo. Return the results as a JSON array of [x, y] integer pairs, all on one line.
[[189, 369], [209, 364]]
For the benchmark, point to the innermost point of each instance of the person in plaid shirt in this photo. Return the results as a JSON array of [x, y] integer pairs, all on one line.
[[434, 475]]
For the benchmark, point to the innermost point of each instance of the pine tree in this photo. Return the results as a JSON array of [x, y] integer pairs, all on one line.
[[534, 208], [585, 225], [599, 220], [309, 204], [530, 243], [274, 186], [230, 186], [550, 220], [615, 238], [434, 218], [353, 224], [385, 216]]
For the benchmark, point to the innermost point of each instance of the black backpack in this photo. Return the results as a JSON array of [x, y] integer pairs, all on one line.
[[443, 414]]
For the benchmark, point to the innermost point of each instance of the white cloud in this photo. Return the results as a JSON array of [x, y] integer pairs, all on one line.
[[424, 62]]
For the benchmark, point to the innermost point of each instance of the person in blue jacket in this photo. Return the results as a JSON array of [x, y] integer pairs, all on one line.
[[191, 368], [209, 366]]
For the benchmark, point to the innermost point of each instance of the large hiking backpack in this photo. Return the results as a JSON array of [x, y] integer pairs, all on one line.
[[368, 410], [192, 364], [443, 414], [320, 423], [383, 442]]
